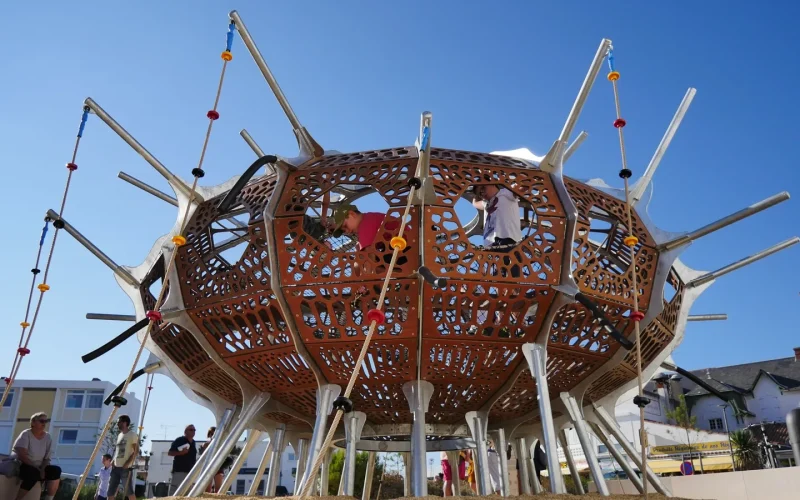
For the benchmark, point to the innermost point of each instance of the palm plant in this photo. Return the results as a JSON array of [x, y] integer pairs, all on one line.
[[745, 450]]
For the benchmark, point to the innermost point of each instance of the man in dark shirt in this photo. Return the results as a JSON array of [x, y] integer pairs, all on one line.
[[185, 452]]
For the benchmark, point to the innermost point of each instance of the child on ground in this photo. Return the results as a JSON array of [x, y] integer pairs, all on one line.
[[103, 477]]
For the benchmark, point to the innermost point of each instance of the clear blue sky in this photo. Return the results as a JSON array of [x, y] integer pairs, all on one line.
[[358, 74]]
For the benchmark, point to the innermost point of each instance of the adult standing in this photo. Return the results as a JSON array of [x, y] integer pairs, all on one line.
[[447, 475], [32, 448], [220, 475], [122, 471], [184, 450]]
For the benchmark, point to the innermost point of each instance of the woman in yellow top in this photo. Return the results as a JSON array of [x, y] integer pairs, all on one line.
[[467, 456]]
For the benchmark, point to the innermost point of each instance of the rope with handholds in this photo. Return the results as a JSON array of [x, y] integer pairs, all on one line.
[[631, 242], [376, 317], [154, 316], [24, 340]]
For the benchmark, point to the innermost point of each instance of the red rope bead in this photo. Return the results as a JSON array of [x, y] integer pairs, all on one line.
[[619, 123], [637, 315], [376, 315], [72, 167], [23, 351], [153, 315], [212, 114], [7, 380]]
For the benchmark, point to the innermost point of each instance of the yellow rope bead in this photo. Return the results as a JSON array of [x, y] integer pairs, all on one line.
[[398, 243], [631, 241], [613, 76], [178, 240], [227, 56], [24, 324], [43, 287]]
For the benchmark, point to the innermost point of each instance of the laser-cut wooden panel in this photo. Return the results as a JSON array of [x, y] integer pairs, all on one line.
[[536, 259], [575, 329], [608, 382], [485, 311], [287, 419], [219, 382], [339, 312], [275, 370], [455, 171], [306, 261], [181, 347], [389, 178], [245, 324]]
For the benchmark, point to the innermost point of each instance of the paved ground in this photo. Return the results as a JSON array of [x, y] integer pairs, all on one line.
[[650, 496]]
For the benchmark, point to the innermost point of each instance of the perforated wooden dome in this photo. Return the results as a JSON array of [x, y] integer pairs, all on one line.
[[466, 338]]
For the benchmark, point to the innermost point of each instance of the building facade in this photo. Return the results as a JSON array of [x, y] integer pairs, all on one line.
[[160, 467], [77, 415]]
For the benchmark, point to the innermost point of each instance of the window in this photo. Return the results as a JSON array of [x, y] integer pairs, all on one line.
[[715, 424], [95, 399], [68, 436], [602, 449], [84, 399], [291, 457], [294, 471], [74, 399], [260, 490], [9, 400], [240, 486]]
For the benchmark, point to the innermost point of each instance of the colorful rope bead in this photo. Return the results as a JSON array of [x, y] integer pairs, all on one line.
[[415, 182], [213, 115], [625, 173], [637, 315], [613, 76], [153, 315], [23, 351], [72, 167], [227, 56], [376, 315], [398, 243], [179, 240], [198, 172], [43, 287], [631, 241], [24, 324], [619, 123]]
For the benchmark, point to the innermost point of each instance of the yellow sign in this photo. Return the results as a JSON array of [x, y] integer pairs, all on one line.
[[683, 448]]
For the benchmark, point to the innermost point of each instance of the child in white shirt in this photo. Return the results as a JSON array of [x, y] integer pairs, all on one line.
[[104, 475], [500, 207]]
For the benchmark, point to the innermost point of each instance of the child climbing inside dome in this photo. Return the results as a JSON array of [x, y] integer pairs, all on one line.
[[501, 227], [347, 219]]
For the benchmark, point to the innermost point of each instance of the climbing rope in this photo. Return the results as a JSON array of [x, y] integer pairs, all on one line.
[[154, 315], [376, 317], [24, 340], [631, 241]]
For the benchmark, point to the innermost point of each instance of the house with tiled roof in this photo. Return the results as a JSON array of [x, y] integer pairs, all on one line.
[[764, 391]]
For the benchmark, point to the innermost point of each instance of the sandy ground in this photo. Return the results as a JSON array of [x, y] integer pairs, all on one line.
[[650, 496]]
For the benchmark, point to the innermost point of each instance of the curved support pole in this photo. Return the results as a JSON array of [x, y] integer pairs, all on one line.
[[521, 448], [147, 188], [583, 93], [122, 337], [253, 438], [576, 417], [147, 369], [222, 427], [88, 245], [279, 439], [249, 411], [477, 421], [501, 450], [173, 180], [262, 466], [626, 466], [111, 317], [325, 395], [307, 143], [725, 221], [741, 263], [637, 191], [536, 356], [275, 275], [707, 317], [573, 469], [418, 393], [575, 145], [302, 453], [353, 425], [248, 174]]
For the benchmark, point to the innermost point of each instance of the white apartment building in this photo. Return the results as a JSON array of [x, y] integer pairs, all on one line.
[[77, 416], [160, 467]]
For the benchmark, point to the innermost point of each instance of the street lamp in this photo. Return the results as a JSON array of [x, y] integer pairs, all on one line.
[[730, 446]]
